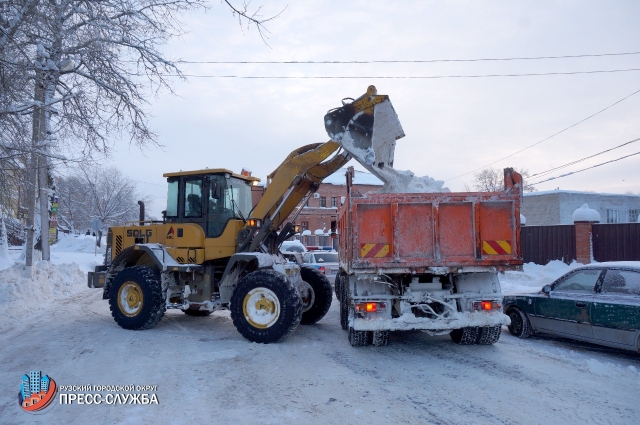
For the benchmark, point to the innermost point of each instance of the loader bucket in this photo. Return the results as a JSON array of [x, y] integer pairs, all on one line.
[[367, 128]]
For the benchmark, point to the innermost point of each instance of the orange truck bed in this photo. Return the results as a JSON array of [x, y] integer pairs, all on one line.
[[418, 232]]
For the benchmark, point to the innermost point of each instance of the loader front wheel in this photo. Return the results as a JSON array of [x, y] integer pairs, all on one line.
[[265, 307], [136, 300], [317, 304]]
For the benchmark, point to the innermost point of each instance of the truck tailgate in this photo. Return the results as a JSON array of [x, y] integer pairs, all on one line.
[[422, 230]]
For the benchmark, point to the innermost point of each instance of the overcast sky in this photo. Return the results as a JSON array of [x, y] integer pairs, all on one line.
[[452, 125]]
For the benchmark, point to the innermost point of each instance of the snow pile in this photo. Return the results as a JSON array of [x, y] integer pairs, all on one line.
[[534, 277], [83, 243], [584, 213], [20, 295], [398, 181]]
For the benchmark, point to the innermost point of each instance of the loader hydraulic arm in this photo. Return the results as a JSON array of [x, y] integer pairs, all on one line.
[[366, 128], [298, 176]]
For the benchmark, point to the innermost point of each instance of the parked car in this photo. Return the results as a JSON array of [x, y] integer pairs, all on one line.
[[597, 303], [292, 246], [326, 262]]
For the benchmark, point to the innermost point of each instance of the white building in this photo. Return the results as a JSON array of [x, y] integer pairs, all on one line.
[[557, 207]]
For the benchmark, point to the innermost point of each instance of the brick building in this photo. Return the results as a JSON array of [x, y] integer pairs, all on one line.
[[322, 207], [557, 207]]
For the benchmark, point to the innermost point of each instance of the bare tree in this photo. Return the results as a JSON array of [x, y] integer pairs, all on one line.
[[492, 180], [83, 70], [97, 193]]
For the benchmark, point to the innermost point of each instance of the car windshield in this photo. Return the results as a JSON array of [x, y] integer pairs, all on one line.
[[326, 257]]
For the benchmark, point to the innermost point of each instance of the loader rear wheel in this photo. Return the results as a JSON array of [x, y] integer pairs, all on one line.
[[488, 335], [317, 305], [136, 299], [265, 307], [464, 336]]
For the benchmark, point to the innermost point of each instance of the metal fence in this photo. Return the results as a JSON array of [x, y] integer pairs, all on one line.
[[616, 242], [541, 244]]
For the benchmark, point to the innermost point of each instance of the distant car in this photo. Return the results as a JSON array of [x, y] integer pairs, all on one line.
[[597, 303], [326, 262], [292, 246]]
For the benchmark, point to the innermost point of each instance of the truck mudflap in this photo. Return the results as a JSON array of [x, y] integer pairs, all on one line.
[[408, 321]]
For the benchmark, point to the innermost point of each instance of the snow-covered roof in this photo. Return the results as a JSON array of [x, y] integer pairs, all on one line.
[[576, 192], [359, 177]]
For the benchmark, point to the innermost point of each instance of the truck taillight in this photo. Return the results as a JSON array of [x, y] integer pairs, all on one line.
[[486, 305], [321, 268], [370, 307]]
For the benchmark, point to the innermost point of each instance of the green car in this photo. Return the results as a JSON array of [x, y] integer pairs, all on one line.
[[597, 303]]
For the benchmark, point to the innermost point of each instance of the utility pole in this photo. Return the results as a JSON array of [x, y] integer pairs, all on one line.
[[37, 167]]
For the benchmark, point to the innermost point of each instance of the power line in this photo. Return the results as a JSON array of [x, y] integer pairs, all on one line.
[[413, 61], [426, 77], [580, 160], [547, 138], [584, 169]]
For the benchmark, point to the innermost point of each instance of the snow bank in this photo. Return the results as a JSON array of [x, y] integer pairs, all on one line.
[[21, 296], [534, 276], [584, 213], [82, 243]]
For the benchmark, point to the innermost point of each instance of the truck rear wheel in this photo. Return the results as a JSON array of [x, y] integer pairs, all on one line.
[[344, 305], [320, 300], [380, 338], [337, 286], [136, 300], [488, 335], [359, 338], [265, 307], [464, 336]]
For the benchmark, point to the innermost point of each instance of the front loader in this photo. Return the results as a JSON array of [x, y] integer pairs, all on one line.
[[213, 251]]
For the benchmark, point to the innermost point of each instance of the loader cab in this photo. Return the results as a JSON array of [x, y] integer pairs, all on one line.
[[208, 198]]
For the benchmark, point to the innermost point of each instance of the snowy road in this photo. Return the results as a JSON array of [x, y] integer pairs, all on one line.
[[207, 373]]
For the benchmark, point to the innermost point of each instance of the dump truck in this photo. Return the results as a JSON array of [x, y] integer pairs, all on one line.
[[411, 259], [214, 250]]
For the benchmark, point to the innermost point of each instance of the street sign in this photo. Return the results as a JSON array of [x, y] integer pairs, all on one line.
[[96, 225]]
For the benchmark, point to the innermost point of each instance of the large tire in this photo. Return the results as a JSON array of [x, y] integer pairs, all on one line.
[[265, 307], [359, 338], [136, 299], [197, 313], [322, 296], [488, 335], [380, 338], [520, 325], [344, 304], [339, 282], [464, 336]]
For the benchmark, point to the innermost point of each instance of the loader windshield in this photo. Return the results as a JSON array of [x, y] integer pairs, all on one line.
[[229, 198]]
